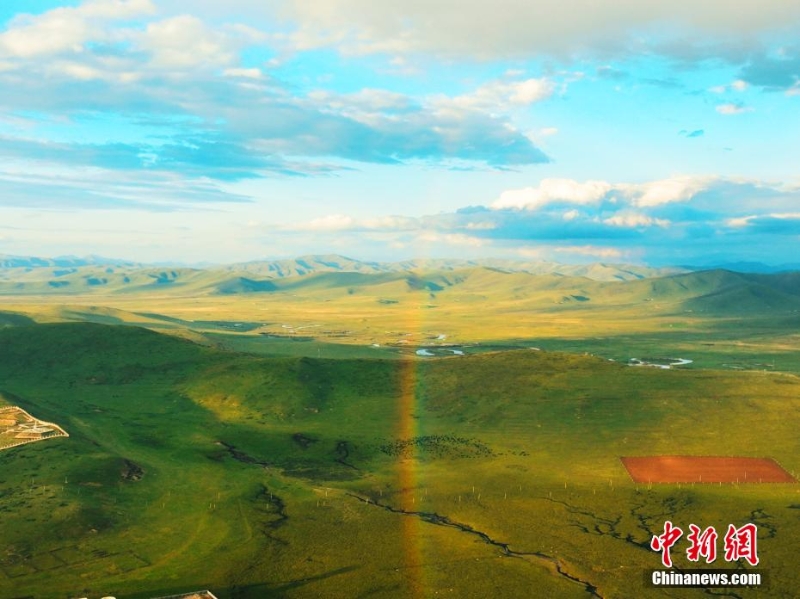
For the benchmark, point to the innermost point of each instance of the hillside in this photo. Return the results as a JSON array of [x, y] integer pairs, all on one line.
[[716, 319], [714, 292], [8, 319], [190, 468], [725, 293]]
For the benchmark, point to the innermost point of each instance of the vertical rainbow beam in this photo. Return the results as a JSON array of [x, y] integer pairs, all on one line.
[[408, 478]]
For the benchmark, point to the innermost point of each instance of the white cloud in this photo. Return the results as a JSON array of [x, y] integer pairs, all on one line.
[[341, 222], [117, 9], [67, 29], [550, 191], [181, 66], [739, 222], [744, 221], [634, 220], [637, 195], [252, 73], [526, 92], [406, 126], [365, 105], [731, 108], [510, 28], [79, 71], [105, 39], [43, 36], [534, 253], [666, 191], [457, 239], [481, 226], [590, 250], [498, 96], [332, 222], [739, 85], [390, 223], [186, 42]]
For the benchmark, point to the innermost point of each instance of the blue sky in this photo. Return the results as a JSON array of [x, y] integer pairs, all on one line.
[[624, 131]]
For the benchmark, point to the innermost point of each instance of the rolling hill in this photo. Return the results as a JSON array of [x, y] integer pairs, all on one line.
[[31, 275], [715, 290], [191, 468]]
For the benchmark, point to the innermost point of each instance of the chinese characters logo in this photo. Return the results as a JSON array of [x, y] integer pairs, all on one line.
[[740, 543]]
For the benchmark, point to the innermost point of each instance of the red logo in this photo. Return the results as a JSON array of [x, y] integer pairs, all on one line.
[[740, 543], [703, 544], [664, 543]]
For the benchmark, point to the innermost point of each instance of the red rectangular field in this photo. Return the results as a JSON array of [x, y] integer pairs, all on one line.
[[705, 469]]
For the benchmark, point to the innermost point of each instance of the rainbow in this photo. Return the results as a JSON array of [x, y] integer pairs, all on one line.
[[408, 477]]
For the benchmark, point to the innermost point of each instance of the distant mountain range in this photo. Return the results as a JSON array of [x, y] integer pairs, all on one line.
[[748, 267], [306, 265], [335, 263], [717, 292], [310, 264], [7, 262]]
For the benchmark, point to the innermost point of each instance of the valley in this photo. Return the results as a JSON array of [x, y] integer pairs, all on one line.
[[295, 443]]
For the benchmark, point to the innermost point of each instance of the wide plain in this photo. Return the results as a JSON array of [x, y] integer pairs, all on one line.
[[292, 443]]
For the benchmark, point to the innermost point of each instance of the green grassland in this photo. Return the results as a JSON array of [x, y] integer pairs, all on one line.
[[193, 466], [718, 319]]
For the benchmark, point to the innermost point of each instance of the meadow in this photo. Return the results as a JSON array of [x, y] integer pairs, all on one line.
[[305, 462], [718, 319]]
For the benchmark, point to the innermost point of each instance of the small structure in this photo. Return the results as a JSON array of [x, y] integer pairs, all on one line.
[[33, 432], [17, 427]]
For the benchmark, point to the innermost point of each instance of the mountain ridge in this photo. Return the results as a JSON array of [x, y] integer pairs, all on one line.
[[316, 263]]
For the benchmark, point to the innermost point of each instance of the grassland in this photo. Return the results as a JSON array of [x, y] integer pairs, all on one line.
[[492, 474], [284, 439], [718, 319]]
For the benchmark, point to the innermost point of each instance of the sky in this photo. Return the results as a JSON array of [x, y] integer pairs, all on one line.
[[626, 131]]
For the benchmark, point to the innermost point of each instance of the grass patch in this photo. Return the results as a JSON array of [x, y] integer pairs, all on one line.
[[249, 468]]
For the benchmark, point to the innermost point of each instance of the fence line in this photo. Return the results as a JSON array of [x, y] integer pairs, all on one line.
[[32, 441]]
